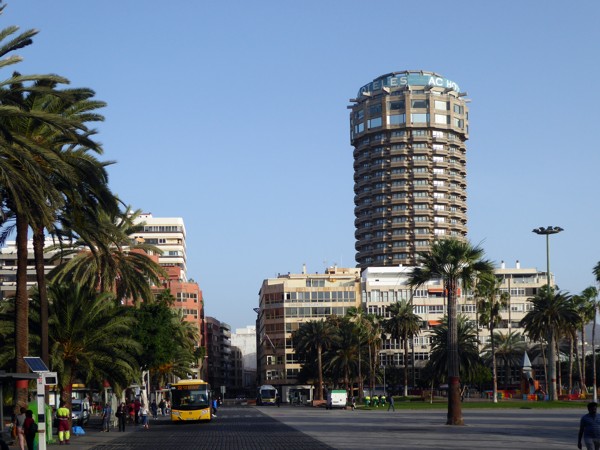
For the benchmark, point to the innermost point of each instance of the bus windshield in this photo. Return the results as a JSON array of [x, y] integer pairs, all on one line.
[[189, 397], [268, 393]]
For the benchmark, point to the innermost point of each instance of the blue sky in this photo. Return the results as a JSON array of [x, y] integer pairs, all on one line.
[[233, 116]]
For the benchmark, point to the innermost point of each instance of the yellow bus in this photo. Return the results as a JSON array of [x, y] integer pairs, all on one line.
[[190, 401]]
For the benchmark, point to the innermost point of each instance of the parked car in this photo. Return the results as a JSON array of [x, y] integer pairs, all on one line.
[[80, 412]]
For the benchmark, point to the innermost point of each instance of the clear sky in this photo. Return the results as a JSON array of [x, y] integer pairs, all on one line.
[[232, 115]]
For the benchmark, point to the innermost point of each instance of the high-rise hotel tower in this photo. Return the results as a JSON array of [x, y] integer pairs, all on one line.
[[408, 130]]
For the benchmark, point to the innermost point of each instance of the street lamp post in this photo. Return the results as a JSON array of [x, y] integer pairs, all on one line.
[[551, 370]]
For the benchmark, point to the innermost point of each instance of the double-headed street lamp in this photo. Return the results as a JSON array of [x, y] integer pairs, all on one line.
[[547, 232], [551, 363]]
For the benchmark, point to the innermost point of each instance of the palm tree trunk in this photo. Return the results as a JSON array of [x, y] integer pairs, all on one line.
[[583, 385], [320, 368], [405, 366], [494, 368], [38, 253], [594, 351], [360, 381], [571, 340], [545, 361], [551, 366], [558, 370], [21, 307], [454, 405], [578, 359]]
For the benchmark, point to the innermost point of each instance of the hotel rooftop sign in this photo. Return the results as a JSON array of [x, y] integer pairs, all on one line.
[[400, 79]]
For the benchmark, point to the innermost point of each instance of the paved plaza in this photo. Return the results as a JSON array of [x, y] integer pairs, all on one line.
[[292, 428]]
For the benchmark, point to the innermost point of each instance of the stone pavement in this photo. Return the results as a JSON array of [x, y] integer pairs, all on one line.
[[297, 428]]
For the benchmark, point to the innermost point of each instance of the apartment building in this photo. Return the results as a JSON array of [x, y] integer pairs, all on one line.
[[289, 300]]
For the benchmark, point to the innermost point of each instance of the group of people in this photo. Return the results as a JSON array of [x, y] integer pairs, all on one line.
[[134, 412], [25, 428]]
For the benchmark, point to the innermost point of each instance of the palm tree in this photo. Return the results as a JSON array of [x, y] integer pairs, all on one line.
[[454, 261], [90, 336], [314, 335], [490, 300], [552, 309], [23, 188], [358, 317], [586, 308], [596, 272], [373, 335], [510, 348], [342, 358], [403, 324], [73, 177], [469, 362], [114, 261]]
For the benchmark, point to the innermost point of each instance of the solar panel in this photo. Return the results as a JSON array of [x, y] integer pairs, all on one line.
[[35, 364]]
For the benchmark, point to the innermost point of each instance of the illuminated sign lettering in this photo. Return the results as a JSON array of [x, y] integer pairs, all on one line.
[[409, 79]]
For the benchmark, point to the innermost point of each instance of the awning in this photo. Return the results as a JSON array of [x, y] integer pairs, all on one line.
[[434, 323]]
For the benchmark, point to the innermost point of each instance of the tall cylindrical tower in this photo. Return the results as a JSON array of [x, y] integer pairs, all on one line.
[[409, 131]]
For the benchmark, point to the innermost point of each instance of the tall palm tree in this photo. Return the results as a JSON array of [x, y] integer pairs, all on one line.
[[454, 262], [315, 335], [73, 178], [403, 325], [490, 299], [358, 317], [596, 272], [374, 337], [23, 188], [586, 308], [550, 312], [510, 348]]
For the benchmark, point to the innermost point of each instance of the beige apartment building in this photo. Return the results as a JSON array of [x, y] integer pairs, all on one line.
[[408, 130], [289, 300], [382, 286]]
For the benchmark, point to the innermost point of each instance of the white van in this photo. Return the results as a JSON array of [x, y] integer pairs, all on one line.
[[336, 399]]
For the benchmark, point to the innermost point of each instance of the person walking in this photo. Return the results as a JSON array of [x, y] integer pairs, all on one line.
[[144, 416], [390, 400], [161, 406], [589, 428], [64, 430], [19, 423], [154, 409], [353, 402], [136, 406], [122, 414], [30, 428], [214, 407], [106, 413]]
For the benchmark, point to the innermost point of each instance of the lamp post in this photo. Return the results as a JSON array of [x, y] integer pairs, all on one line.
[[551, 370]]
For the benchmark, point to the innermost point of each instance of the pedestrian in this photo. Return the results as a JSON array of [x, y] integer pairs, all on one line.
[[136, 406], [131, 409], [30, 428], [390, 400], [64, 431], [122, 414], [161, 405], [278, 400], [19, 424], [589, 428], [214, 407], [144, 416], [154, 409], [353, 402], [106, 413]]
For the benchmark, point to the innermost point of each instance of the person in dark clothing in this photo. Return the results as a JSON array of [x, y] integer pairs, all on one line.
[[30, 428], [122, 413]]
